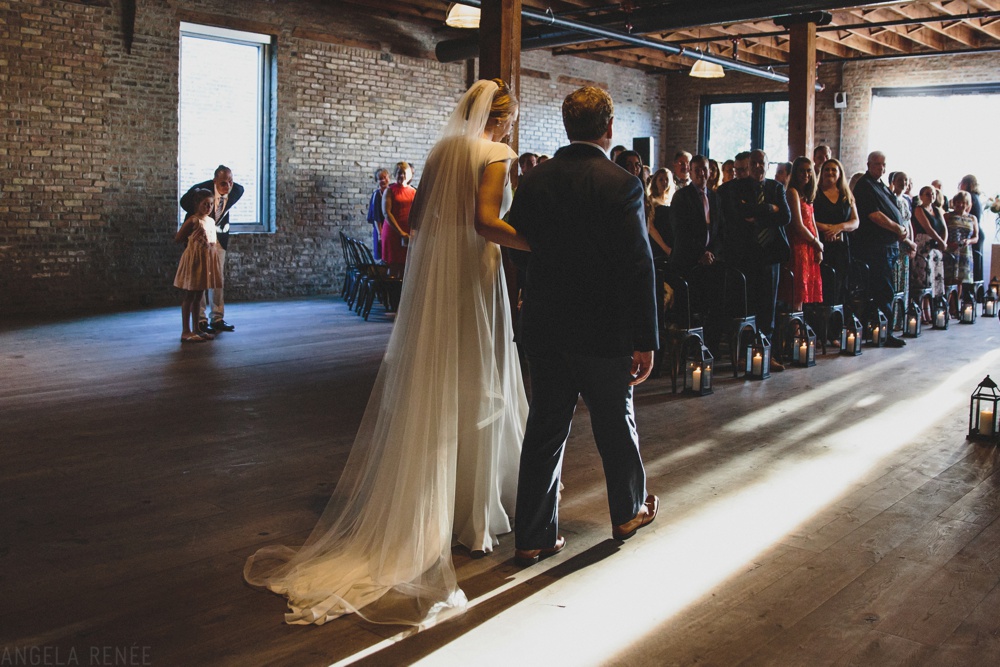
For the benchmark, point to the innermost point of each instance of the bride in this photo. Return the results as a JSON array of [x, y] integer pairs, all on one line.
[[435, 458]]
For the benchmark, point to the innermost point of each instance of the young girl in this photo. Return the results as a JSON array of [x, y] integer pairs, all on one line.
[[963, 232], [200, 267]]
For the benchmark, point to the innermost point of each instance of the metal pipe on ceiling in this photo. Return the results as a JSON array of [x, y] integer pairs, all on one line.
[[446, 54]]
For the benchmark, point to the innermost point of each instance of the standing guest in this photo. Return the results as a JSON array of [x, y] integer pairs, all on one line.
[[878, 236], [631, 162], [226, 193], [836, 217], [200, 267], [589, 324], [807, 247], [728, 170], [661, 191], [375, 215], [543, 158], [945, 202], [907, 246], [821, 154], [783, 173], [396, 204], [696, 218], [682, 169], [714, 175], [970, 184], [755, 214], [616, 151], [526, 162], [741, 165], [927, 269], [855, 178], [963, 232]]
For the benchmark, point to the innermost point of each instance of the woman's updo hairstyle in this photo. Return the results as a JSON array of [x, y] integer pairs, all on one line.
[[504, 102]]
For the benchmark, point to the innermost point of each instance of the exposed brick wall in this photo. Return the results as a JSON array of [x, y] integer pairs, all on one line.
[[88, 141], [547, 79]]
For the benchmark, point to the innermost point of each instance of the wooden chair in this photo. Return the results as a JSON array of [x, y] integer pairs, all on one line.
[[376, 283], [351, 272]]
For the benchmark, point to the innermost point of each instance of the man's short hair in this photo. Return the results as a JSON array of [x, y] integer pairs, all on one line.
[[679, 154], [745, 155], [220, 169], [525, 156], [698, 159], [586, 113]]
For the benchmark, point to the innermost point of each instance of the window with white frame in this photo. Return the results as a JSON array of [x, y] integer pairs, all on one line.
[[226, 112]]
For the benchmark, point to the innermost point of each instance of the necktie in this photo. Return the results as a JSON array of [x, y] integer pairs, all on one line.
[[220, 206], [704, 202], [760, 193]]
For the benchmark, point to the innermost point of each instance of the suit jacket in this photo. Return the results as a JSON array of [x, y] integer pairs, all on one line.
[[589, 286], [692, 236], [221, 230], [739, 201]]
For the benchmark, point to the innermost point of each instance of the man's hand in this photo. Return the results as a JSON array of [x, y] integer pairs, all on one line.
[[642, 364]]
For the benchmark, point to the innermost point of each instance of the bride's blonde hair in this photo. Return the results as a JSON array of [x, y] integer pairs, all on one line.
[[504, 102]]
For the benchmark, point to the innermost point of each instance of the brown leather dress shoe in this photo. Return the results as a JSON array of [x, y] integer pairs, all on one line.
[[532, 556], [645, 516]]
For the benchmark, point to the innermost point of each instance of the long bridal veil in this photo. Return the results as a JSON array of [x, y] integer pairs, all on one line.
[[443, 425]]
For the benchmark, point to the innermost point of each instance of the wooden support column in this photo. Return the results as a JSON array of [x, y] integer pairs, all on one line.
[[500, 45], [801, 89]]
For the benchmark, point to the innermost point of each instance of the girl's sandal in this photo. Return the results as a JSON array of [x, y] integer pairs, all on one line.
[[193, 338]]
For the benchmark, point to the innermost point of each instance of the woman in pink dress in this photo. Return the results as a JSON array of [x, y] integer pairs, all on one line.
[[200, 267], [396, 204], [807, 248]]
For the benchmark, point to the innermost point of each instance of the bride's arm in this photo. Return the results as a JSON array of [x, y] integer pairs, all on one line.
[[488, 200]]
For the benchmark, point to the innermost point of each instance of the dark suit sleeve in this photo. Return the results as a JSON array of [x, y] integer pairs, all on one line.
[[640, 259], [234, 195], [784, 214]]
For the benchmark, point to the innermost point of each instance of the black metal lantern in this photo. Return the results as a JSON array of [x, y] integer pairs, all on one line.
[[990, 304], [994, 289], [877, 330], [698, 367], [851, 336], [914, 321], [941, 314], [967, 308], [983, 411], [759, 358], [804, 348]]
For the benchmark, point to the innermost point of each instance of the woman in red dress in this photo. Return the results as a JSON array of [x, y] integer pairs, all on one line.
[[807, 248], [396, 204]]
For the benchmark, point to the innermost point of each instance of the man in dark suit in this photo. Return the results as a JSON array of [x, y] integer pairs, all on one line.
[[754, 220], [696, 219], [227, 194], [588, 322]]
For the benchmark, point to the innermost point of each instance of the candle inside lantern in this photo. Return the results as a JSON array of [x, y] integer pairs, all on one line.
[[803, 351], [939, 319], [696, 379], [758, 364], [985, 422], [967, 313], [875, 335], [913, 325], [850, 341]]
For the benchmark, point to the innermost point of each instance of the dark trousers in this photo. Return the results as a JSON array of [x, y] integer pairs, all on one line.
[[762, 293], [881, 261], [557, 381]]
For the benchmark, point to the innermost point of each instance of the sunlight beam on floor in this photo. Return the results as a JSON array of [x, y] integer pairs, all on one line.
[[678, 560]]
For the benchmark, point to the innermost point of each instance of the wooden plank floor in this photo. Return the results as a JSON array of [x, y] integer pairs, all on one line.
[[829, 516]]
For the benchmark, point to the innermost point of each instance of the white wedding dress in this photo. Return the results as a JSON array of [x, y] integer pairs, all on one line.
[[436, 456]]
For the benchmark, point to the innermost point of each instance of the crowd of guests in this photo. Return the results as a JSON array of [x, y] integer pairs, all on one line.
[[777, 232], [780, 232]]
